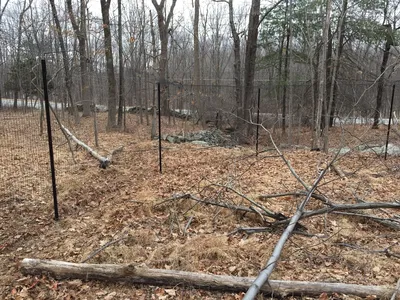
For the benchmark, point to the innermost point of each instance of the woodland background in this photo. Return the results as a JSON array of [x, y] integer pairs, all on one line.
[[325, 73]]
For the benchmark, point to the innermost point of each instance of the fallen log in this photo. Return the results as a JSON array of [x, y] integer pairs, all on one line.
[[104, 161], [338, 171], [142, 275]]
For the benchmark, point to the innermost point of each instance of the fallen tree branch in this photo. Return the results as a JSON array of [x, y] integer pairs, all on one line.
[[296, 194], [385, 251], [345, 207], [338, 171], [102, 248], [263, 276], [261, 207], [54, 113], [64, 133], [287, 162], [245, 209], [391, 223], [142, 275], [251, 230], [396, 291], [104, 161], [337, 208], [115, 151]]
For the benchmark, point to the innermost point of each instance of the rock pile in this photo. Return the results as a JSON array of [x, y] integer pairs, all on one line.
[[204, 138]]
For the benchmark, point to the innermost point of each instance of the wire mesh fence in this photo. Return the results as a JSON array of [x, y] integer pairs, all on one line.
[[24, 169], [24, 163]]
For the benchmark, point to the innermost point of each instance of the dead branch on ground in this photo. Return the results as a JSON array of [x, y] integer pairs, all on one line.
[[260, 206], [385, 251], [141, 275], [296, 194], [388, 222], [240, 208], [104, 161], [263, 276], [338, 171]]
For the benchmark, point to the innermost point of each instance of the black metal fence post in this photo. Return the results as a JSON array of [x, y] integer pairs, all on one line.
[[390, 120], [159, 125], [258, 119], [50, 139]]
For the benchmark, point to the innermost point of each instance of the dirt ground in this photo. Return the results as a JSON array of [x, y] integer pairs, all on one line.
[[129, 201]]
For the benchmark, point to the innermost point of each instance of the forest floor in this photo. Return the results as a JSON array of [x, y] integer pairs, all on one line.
[[128, 201]]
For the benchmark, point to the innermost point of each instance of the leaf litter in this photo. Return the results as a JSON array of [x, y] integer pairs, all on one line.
[[123, 202]]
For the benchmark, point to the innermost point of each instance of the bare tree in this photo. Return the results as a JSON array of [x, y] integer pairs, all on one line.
[[381, 82], [286, 64], [25, 7], [80, 32], [316, 141], [337, 61], [121, 99], [2, 9], [332, 87], [67, 71], [105, 11], [250, 61], [196, 52], [163, 28], [237, 70]]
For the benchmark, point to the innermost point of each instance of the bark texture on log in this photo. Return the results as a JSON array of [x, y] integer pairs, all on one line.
[[142, 275]]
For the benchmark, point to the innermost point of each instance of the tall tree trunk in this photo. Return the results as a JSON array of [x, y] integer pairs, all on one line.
[[80, 32], [328, 83], [2, 9], [316, 142], [279, 75], [286, 69], [163, 27], [105, 11], [237, 69], [250, 62], [381, 81], [144, 67], [336, 68], [154, 53], [328, 101], [196, 53], [121, 99], [289, 75], [25, 8]]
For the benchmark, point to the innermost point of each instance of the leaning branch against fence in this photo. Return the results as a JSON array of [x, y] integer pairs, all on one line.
[[104, 161], [143, 275], [56, 117]]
